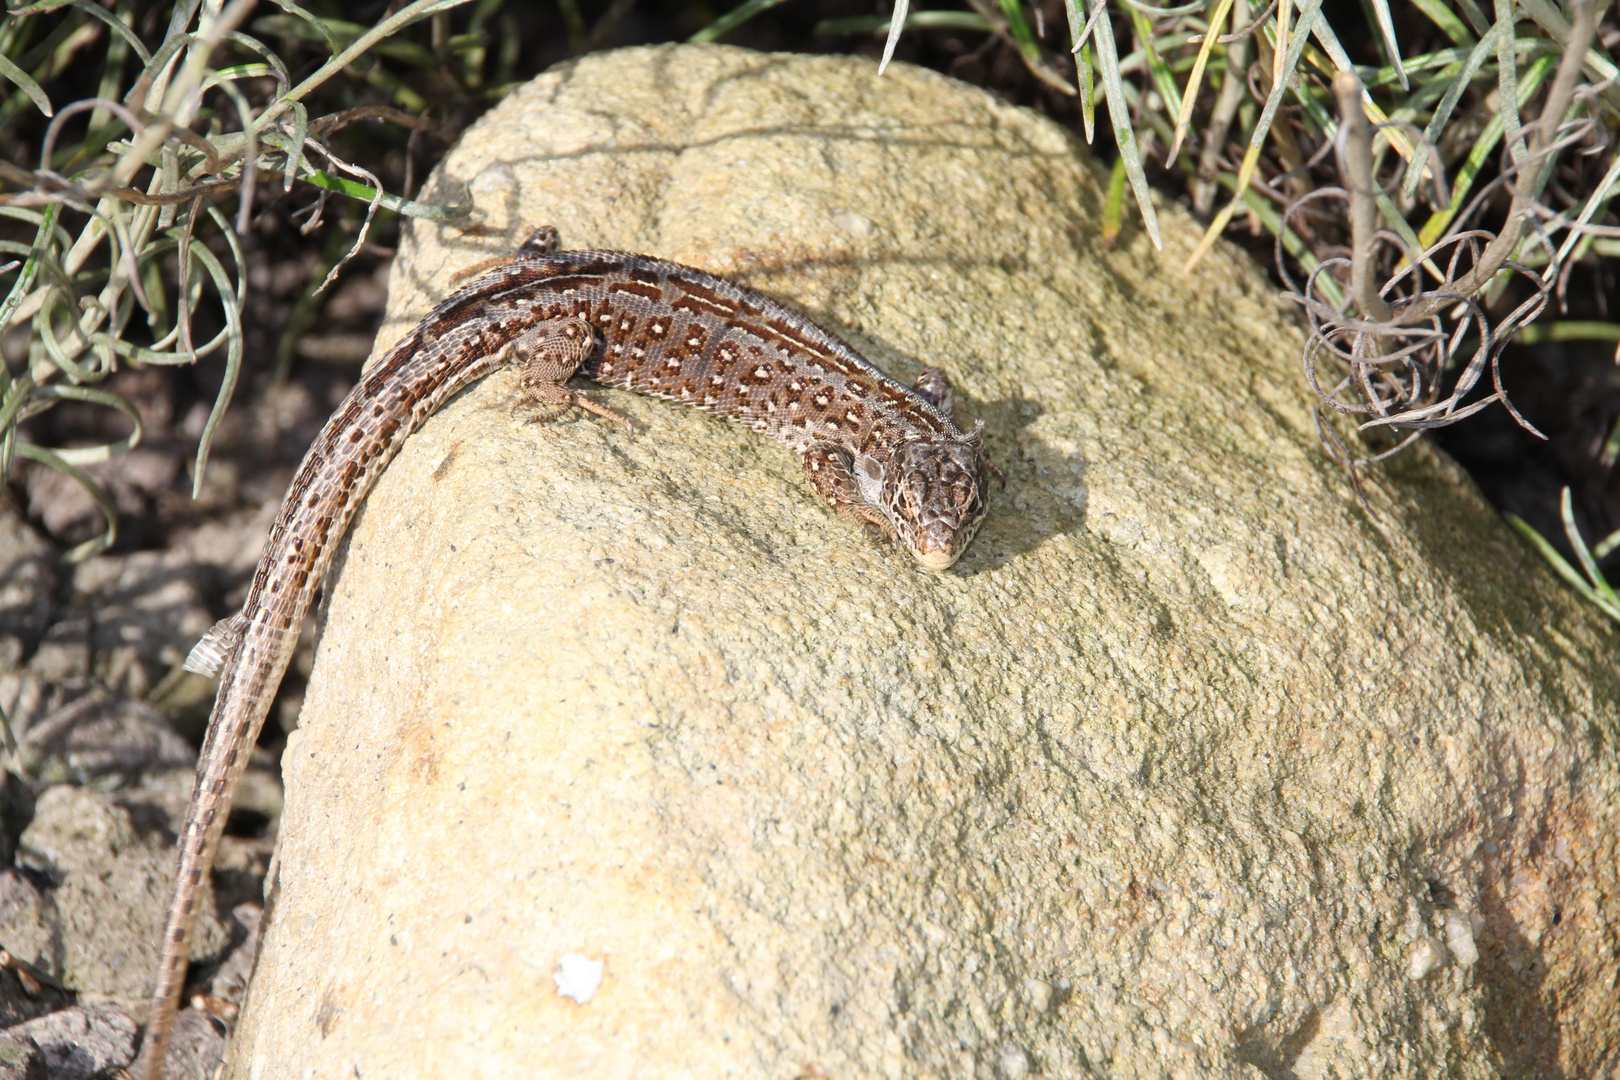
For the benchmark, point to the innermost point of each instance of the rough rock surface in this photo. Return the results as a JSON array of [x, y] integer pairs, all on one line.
[[72, 1044], [100, 929], [624, 757]]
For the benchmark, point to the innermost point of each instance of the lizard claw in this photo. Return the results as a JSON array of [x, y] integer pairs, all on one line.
[[583, 402]]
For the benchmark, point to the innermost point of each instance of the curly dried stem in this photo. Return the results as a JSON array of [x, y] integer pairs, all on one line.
[[1532, 173]]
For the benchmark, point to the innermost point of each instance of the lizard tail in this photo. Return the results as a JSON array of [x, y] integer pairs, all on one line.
[[254, 653]]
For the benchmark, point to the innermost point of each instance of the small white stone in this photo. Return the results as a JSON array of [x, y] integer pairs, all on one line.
[[1425, 955], [1039, 994], [857, 225], [1460, 938], [1014, 1062], [578, 977]]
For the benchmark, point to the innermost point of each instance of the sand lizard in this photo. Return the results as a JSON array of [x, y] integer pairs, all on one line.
[[886, 455]]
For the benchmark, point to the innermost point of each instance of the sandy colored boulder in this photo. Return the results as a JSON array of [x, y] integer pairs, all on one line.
[[623, 757]]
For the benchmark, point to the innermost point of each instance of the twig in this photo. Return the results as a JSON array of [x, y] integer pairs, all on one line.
[[1356, 166], [1226, 107], [371, 209]]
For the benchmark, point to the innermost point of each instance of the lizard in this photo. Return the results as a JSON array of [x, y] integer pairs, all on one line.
[[886, 456]]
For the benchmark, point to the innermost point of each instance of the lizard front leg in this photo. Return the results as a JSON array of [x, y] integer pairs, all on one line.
[[550, 352], [933, 384], [829, 470]]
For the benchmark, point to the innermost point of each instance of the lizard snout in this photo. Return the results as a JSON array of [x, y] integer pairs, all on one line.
[[936, 546]]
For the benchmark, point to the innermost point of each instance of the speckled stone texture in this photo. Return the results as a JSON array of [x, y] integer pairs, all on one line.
[[1191, 768]]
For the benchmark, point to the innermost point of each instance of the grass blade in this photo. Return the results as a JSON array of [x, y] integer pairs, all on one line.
[[1113, 203], [727, 22], [1562, 568], [1568, 330], [1278, 69], [1606, 545], [1071, 8], [1599, 198], [26, 85], [897, 21], [1124, 134], [1088, 92], [407, 15], [1484, 147], [917, 20], [1196, 79], [365, 193], [1163, 81], [332, 43], [1239, 186], [10, 738], [1079, 36], [24, 284], [233, 352], [129, 36], [1476, 18], [1309, 10], [1597, 62], [1566, 509], [1442, 112], [1507, 79], [1444, 18], [1029, 50], [1386, 26]]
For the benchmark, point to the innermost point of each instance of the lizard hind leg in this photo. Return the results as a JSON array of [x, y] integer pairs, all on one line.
[[543, 241], [210, 655], [549, 354]]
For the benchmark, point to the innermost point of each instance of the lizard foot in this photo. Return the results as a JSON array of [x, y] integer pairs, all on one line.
[[552, 401], [550, 353]]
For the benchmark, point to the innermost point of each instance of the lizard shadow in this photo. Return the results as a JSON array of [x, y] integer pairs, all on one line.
[[1045, 494]]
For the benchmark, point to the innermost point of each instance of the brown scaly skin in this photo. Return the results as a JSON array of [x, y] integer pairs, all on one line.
[[882, 454]]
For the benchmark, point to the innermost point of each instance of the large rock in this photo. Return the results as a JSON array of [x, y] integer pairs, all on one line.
[[624, 757]]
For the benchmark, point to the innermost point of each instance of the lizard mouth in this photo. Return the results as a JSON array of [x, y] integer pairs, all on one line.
[[936, 547]]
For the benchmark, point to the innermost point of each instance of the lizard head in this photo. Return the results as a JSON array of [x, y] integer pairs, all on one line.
[[932, 494]]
